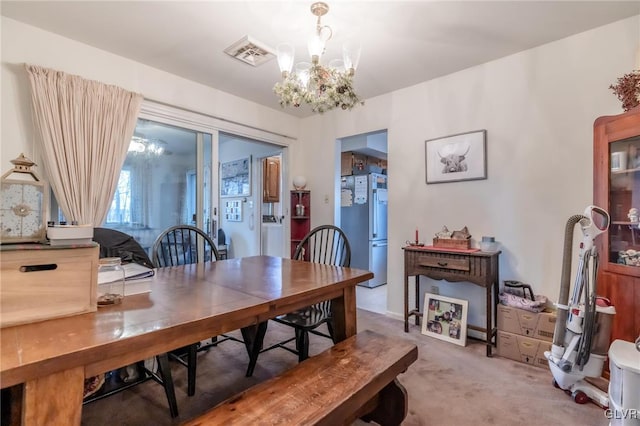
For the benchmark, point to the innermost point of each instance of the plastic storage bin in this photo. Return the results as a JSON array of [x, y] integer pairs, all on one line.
[[624, 386]]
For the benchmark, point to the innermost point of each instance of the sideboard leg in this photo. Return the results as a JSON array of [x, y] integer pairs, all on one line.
[[406, 303], [417, 299]]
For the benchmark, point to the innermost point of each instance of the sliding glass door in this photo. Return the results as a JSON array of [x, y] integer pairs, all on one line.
[[165, 181]]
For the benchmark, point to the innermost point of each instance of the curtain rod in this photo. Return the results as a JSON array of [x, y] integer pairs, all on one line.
[[220, 118]]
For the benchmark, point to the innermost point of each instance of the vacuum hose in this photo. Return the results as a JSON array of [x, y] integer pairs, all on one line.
[[565, 283]]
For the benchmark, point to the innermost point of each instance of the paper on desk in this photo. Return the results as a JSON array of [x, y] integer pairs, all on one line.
[[132, 271]]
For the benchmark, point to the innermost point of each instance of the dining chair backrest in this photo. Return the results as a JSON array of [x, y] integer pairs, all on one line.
[[325, 244], [182, 245]]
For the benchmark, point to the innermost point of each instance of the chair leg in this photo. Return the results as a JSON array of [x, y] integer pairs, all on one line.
[[167, 382], [330, 330], [302, 344], [253, 343], [191, 369]]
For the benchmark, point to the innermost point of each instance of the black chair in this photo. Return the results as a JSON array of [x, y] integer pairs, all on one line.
[[182, 245], [324, 244], [118, 244]]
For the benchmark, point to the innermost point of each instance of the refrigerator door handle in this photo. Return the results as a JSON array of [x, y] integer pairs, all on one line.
[[379, 245], [374, 222]]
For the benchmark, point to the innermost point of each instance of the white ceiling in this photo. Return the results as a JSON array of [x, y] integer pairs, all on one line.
[[403, 42]]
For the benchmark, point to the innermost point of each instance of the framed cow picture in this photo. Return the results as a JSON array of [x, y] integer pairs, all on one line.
[[458, 157]]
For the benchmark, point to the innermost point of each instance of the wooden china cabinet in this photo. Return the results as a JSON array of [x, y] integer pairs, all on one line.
[[617, 189]]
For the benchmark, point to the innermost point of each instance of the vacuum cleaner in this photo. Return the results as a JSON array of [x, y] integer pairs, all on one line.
[[583, 324]]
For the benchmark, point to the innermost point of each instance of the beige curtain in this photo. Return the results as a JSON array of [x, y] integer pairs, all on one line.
[[85, 128]]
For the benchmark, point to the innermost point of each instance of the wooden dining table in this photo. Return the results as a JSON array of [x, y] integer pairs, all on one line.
[[186, 304]]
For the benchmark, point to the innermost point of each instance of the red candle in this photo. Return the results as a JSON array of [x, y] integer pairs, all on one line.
[[416, 235]]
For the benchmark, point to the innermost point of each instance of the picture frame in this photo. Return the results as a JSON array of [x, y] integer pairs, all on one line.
[[445, 318], [456, 158], [233, 210], [235, 178]]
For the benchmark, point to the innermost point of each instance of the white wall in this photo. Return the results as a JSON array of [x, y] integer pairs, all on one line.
[[538, 107], [26, 44]]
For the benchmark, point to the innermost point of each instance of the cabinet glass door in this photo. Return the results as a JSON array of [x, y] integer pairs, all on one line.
[[624, 202]]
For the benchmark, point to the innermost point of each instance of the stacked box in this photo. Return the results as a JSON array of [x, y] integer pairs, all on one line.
[[523, 335], [523, 349], [525, 323], [40, 282], [452, 243]]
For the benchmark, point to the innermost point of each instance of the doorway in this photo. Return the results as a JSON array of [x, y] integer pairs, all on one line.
[[272, 206], [362, 211], [253, 224]]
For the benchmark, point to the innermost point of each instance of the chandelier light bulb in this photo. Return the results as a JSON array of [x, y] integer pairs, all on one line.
[[316, 48], [285, 53], [303, 70], [351, 56]]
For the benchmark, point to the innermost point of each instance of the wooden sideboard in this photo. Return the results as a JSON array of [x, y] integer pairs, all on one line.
[[480, 268]]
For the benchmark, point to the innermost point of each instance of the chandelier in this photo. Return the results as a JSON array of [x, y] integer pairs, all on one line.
[[321, 87], [146, 147]]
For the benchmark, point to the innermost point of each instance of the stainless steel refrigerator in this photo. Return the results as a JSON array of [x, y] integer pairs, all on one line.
[[363, 218]]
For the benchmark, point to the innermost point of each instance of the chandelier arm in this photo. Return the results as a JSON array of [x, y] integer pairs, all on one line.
[[320, 29]]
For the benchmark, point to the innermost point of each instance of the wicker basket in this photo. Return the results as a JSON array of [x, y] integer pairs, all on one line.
[[452, 243]]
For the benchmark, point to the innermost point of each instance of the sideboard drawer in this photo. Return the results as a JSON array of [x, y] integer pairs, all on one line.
[[455, 263]]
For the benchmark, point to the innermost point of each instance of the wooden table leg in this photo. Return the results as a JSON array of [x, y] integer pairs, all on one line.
[[344, 315], [253, 337], [55, 399]]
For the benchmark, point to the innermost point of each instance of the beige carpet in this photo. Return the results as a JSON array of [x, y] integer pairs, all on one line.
[[448, 385]]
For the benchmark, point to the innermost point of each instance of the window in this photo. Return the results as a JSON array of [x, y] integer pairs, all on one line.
[[120, 211]]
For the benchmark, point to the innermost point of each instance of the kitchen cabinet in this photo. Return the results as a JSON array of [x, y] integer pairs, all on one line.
[[300, 217], [271, 180], [617, 189]]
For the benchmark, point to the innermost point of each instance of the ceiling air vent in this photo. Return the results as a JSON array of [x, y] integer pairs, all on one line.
[[250, 51]]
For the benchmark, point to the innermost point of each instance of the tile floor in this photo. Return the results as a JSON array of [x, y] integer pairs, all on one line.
[[372, 299]]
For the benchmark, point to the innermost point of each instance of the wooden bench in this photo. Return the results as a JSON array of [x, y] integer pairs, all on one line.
[[355, 378]]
